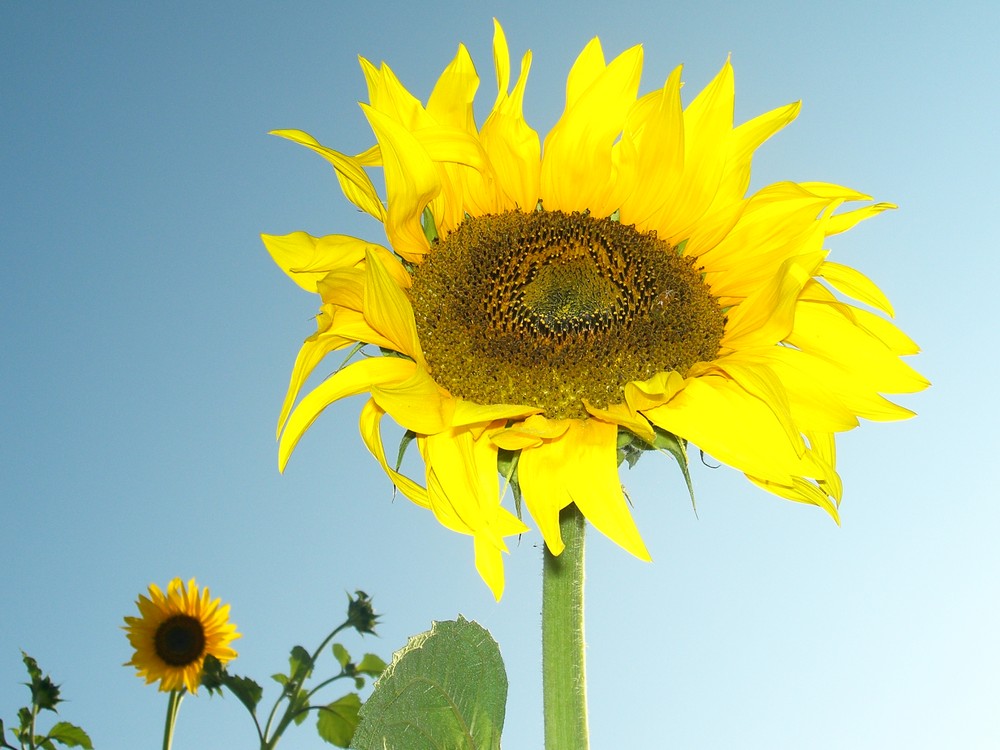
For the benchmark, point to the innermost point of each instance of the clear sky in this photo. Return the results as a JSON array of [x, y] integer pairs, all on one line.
[[147, 340]]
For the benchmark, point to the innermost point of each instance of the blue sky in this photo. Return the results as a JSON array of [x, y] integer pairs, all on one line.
[[147, 341]]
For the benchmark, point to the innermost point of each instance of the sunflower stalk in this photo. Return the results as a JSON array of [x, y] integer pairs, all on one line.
[[564, 681], [173, 706]]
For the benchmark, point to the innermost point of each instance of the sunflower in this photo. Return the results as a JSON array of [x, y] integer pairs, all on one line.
[[549, 312], [176, 631]]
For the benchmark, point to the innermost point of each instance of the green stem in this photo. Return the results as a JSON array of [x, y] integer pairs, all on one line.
[[173, 706], [564, 680], [268, 742]]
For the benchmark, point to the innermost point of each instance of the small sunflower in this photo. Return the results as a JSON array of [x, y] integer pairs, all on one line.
[[176, 631], [550, 311]]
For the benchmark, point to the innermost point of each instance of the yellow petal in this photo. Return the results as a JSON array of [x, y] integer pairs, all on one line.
[[587, 68], [800, 490], [842, 222], [744, 141], [655, 391], [767, 315], [464, 492], [737, 428], [512, 145], [450, 102], [653, 149], [308, 259], [577, 166], [371, 434], [826, 332], [622, 416], [855, 284], [416, 403], [316, 347], [469, 413], [708, 122], [353, 181], [530, 432], [411, 181], [580, 467], [387, 309], [353, 379], [759, 380]]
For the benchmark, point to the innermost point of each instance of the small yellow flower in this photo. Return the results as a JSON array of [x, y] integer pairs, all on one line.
[[570, 304], [175, 632]]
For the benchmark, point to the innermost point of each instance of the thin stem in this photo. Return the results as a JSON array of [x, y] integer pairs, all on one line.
[[173, 706], [291, 691], [564, 681]]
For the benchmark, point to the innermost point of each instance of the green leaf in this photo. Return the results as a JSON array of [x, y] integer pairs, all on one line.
[[281, 679], [24, 718], [404, 443], [507, 468], [338, 720], [667, 442], [341, 655], [69, 735], [213, 675], [371, 665], [300, 707], [427, 221], [300, 664], [34, 672], [445, 689]]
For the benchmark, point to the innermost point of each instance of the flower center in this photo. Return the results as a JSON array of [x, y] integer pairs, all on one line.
[[550, 309], [180, 640]]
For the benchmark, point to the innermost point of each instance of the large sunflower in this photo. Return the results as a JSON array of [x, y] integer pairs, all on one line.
[[176, 631], [552, 311]]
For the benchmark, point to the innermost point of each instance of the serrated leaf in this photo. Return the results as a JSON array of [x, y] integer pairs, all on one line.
[[338, 720], [24, 718], [341, 655], [69, 735], [371, 665], [445, 689], [213, 675], [300, 664], [246, 691]]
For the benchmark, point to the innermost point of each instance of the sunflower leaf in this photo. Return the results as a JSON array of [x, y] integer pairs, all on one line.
[[338, 720], [69, 735], [214, 677], [341, 655], [371, 664], [446, 688], [300, 663]]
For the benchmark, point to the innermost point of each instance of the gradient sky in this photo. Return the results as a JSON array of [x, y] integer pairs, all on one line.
[[147, 341]]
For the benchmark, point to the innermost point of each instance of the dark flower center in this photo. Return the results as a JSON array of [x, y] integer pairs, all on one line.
[[548, 309], [180, 640]]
